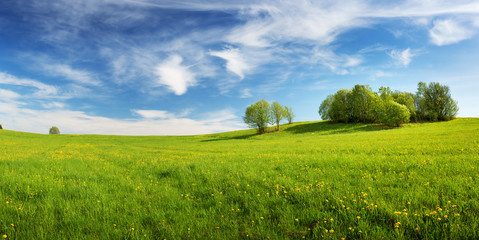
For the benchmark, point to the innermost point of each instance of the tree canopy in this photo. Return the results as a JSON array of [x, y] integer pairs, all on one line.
[[432, 102]]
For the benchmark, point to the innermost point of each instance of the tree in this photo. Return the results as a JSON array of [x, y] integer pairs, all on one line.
[[278, 113], [54, 130], [258, 115], [337, 107], [394, 114], [434, 102], [289, 114], [364, 103], [1, 126]]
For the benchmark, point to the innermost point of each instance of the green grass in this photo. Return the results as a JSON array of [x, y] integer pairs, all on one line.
[[310, 180]]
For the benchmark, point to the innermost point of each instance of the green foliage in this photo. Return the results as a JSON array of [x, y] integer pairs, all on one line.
[[299, 182], [406, 99], [289, 114], [365, 104], [54, 130], [394, 114], [258, 115], [434, 102], [278, 113], [337, 107], [361, 104]]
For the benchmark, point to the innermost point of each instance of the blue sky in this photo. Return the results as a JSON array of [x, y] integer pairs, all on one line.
[[161, 67]]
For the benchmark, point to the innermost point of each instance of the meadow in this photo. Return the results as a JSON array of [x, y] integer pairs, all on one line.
[[313, 180]]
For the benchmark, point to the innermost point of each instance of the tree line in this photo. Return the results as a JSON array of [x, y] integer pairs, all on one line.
[[360, 104], [261, 113], [431, 102]]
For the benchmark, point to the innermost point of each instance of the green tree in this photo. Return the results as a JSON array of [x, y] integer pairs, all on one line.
[[54, 130], [394, 114], [258, 115], [337, 107], [278, 113], [365, 104], [406, 99], [434, 102], [289, 114]]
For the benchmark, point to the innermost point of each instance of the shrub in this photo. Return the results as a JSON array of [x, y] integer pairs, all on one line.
[[394, 114], [54, 130]]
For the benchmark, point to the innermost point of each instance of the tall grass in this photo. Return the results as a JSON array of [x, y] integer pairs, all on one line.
[[310, 180]]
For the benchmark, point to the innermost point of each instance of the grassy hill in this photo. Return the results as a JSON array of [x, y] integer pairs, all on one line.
[[310, 180]]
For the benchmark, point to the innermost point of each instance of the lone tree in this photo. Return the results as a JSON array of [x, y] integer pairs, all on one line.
[[54, 130], [289, 114], [258, 115], [1, 126], [278, 113]]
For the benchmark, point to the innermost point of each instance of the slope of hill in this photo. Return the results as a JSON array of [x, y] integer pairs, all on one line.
[[311, 179]]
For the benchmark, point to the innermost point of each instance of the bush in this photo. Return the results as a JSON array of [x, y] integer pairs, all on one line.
[[394, 114], [54, 130]]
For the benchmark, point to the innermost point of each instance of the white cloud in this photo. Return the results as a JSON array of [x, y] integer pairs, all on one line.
[[448, 31], [175, 76], [53, 105], [336, 63], [246, 93], [42, 90], [78, 122], [79, 76], [7, 94], [402, 57], [235, 62], [154, 114]]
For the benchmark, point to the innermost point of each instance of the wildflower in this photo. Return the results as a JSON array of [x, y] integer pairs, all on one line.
[[358, 217], [331, 219], [398, 213], [331, 231], [4, 235], [457, 215], [439, 219], [326, 230], [396, 225], [445, 216]]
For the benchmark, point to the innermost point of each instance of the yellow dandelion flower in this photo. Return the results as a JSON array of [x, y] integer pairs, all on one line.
[[331, 231], [331, 219], [445, 216], [4, 235], [457, 214], [439, 219], [358, 217], [326, 230], [398, 213]]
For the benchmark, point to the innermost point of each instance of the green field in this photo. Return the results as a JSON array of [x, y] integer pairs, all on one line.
[[310, 180]]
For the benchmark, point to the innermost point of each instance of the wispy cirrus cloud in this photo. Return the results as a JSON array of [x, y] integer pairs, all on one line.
[[235, 61], [40, 90], [67, 72]]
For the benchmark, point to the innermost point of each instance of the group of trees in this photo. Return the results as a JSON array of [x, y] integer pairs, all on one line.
[[261, 113], [431, 102]]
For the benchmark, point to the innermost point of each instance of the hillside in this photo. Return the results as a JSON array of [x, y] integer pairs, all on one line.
[[311, 180]]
